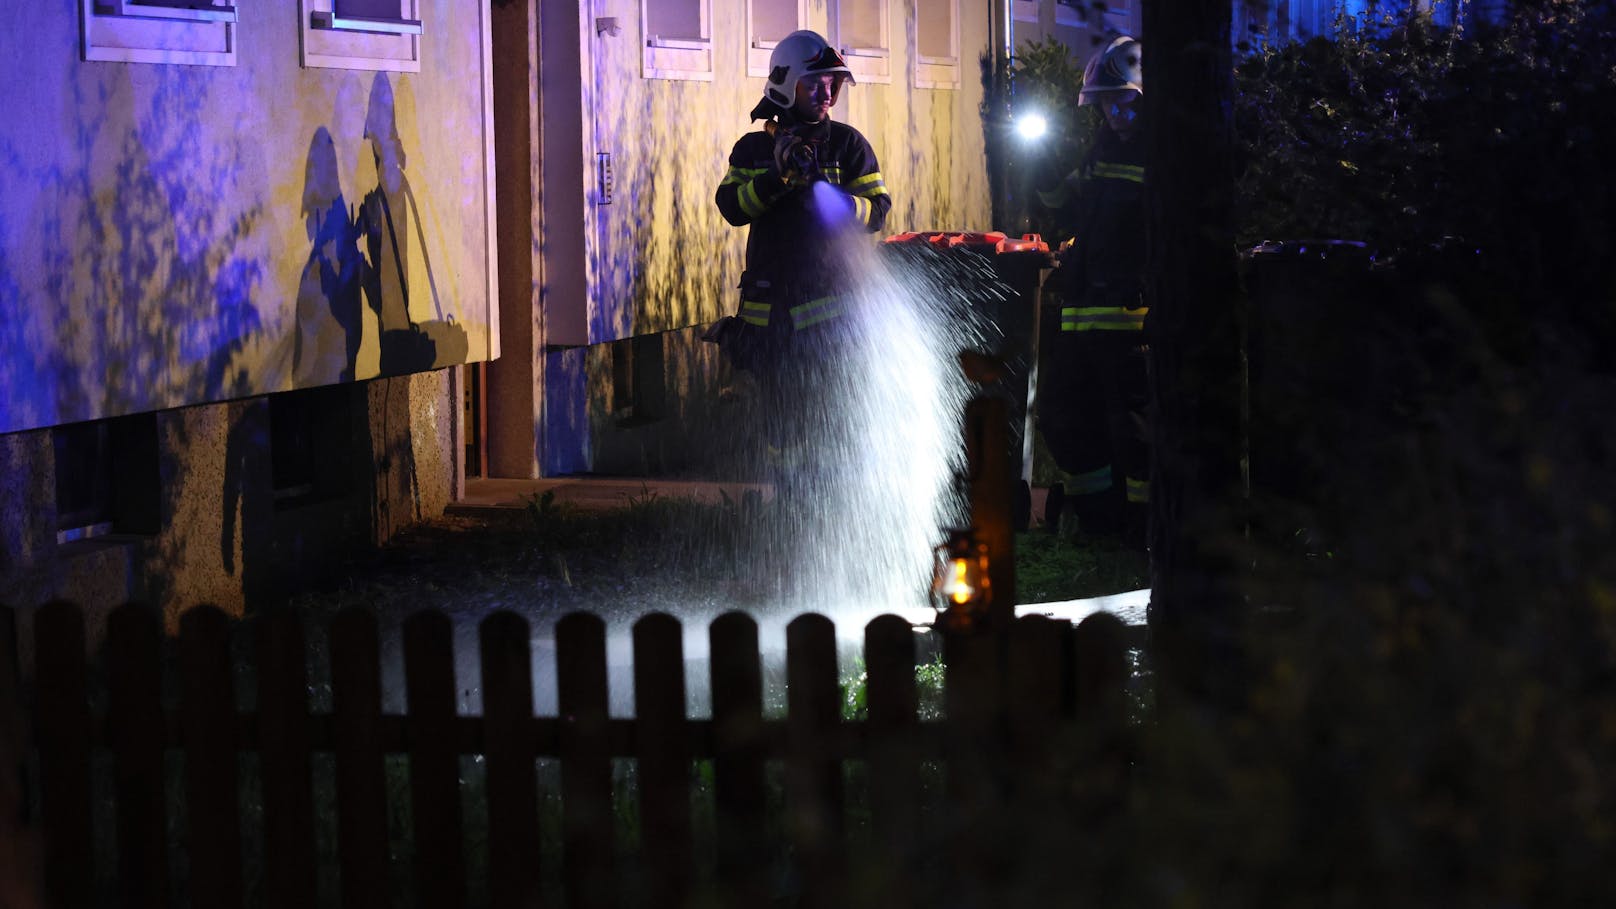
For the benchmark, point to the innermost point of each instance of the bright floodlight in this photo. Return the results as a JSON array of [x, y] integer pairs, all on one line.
[[1031, 126]]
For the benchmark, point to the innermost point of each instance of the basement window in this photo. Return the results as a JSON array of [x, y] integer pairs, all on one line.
[[107, 480], [311, 444], [639, 380], [936, 61], [373, 35], [678, 37], [767, 21], [196, 32], [859, 29]]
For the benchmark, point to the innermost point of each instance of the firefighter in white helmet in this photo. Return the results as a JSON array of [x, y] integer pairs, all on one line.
[[1095, 387], [802, 184]]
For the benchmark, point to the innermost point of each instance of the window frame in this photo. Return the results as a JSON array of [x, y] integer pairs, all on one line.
[[931, 71], [758, 50], [126, 31], [869, 64], [339, 48], [680, 59], [1072, 18]]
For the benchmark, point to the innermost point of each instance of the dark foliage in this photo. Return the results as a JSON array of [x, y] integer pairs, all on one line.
[[1431, 648], [1429, 651], [1491, 137]]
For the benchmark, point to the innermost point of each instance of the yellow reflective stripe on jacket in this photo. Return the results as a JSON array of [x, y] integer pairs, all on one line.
[[1102, 318], [1138, 490], [802, 315], [1106, 170], [1083, 484], [861, 210], [869, 186], [742, 175], [815, 311], [750, 203], [754, 313]]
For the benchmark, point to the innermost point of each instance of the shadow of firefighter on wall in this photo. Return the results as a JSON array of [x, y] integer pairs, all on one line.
[[325, 347], [363, 254], [384, 220], [354, 318]]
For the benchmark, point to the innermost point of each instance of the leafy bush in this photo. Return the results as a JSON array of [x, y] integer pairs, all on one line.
[[1405, 132]]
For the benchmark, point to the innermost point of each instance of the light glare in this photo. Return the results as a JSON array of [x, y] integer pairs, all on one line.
[[1031, 126]]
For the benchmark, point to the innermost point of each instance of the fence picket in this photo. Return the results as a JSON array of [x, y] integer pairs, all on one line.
[[286, 766], [135, 725], [429, 679], [814, 770], [663, 754], [1034, 745], [1101, 658], [208, 724], [889, 660], [508, 730], [19, 841], [361, 787], [973, 748], [738, 745], [1038, 757], [63, 720], [1101, 678], [1034, 688], [586, 764]]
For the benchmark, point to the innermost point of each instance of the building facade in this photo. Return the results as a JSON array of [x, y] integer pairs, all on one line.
[[275, 277]]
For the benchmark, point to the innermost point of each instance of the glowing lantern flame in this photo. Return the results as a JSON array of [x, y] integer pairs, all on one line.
[[960, 589], [960, 585]]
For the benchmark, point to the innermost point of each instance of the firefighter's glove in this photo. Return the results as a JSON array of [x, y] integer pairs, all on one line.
[[793, 158]]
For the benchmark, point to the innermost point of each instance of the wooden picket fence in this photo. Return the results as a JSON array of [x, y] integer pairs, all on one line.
[[160, 722]]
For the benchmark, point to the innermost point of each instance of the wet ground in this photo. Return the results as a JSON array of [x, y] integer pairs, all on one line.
[[621, 549]]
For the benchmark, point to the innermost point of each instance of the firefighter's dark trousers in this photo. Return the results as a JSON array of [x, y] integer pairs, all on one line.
[[805, 439], [1092, 398]]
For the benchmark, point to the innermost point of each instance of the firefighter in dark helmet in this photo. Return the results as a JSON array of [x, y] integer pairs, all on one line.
[[803, 184], [1095, 387]]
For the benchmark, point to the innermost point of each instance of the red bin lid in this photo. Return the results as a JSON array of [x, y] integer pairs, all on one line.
[[996, 241]]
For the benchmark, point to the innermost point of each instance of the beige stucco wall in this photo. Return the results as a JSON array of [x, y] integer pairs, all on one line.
[[659, 255], [163, 228]]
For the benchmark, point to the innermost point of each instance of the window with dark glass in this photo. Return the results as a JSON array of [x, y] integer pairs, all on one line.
[[311, 442], [107, 479]]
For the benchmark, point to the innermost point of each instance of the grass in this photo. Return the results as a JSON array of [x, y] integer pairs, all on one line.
[[1056, 567]]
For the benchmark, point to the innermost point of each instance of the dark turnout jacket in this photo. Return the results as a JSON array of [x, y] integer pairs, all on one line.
[[1103, 200], [792, 225]]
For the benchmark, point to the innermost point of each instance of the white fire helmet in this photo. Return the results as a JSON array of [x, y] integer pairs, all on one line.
[[1115, 69], [801, 53]]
